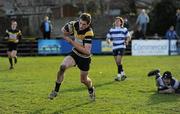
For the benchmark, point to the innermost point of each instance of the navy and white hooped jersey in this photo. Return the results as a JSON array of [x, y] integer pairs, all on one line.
[[173, 84], [118, 35]]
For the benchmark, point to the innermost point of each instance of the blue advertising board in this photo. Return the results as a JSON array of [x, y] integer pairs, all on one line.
[[96, 46], [60, 46], [54, 46], [65, 47], [49, 47]]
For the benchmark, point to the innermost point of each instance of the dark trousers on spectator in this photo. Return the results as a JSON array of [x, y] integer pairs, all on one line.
[[47, 35]]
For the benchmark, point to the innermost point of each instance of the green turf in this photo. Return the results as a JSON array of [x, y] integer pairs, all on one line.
[[26, 88]]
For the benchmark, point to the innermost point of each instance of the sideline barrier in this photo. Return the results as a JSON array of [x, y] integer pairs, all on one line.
[[60, 46], [153, 47], [33, 47]]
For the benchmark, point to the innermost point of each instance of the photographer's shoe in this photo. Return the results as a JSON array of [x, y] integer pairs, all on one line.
[[153, 72]]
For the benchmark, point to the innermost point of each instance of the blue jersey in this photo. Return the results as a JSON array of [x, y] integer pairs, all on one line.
[[118, 35]]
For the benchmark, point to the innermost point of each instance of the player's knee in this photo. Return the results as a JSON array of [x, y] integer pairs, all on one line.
[[118, 62], [83, 81], [62, 68], [9, 56]]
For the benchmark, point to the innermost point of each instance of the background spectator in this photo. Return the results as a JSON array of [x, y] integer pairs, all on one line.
[[171, 33], [46, 28], [178, 22], [126, 23], [156, 36], [143, 20]]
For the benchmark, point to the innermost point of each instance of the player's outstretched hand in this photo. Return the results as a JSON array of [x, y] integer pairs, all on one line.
[[67, 39]]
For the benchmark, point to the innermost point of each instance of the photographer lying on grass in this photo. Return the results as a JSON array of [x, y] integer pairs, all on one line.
[[165, 83]]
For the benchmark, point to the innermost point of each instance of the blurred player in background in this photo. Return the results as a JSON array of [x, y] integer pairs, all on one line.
[[165, 83], [13, 36], [120, 38], [81, 52]]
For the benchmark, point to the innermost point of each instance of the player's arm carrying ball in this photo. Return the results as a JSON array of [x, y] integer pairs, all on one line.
[[86, 49]]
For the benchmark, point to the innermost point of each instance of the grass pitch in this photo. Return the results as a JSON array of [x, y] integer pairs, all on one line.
[[26, 88]]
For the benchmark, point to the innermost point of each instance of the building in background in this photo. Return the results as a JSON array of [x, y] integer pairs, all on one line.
[[30, 13]]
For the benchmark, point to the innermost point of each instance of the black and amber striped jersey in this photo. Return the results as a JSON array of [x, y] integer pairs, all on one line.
[[81, 36], [13, 35]]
